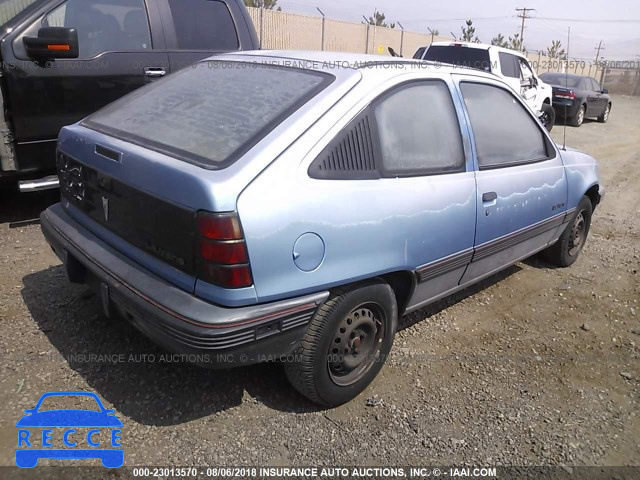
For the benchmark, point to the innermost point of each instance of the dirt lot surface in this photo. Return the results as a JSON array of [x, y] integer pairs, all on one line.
[[535, 366]]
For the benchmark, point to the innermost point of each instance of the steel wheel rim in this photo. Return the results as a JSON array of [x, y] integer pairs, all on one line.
[[356, 344], [606, 113], [581, 115], [578, 234]]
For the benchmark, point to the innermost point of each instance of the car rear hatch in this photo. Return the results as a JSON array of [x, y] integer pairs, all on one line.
[[138, 172]]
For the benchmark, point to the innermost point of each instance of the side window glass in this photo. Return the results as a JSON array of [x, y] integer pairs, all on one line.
[[596, 86], [505, 133], [526, 74], [418, 130], [203, 25], [509, 65], [104, 25]]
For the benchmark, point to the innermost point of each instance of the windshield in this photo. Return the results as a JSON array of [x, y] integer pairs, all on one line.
[[560, 79], [459, 55], [11, 8], [210, 114]]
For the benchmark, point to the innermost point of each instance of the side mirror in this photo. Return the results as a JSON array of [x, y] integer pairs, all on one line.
[[605, 90], [52, 42]]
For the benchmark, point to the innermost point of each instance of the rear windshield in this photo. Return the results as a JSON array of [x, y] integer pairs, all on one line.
[[559, 79], [211, 113], [463, 56]]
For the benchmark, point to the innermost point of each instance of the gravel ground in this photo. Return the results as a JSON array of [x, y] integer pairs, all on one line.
[[535, 366]]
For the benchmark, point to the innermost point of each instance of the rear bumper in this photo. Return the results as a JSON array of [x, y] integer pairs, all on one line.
[[565, 107], [207, 334]]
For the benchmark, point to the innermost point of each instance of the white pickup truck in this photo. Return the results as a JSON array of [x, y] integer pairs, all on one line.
[[512, 66]]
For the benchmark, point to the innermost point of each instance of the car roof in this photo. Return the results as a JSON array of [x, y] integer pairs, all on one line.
[[568, 75], [479, 46], [327, 61]]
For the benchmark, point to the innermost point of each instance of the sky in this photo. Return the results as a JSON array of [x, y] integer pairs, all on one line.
[[615, 22]]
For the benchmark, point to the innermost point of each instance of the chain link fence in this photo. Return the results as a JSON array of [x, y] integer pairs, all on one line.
[[289, 31]]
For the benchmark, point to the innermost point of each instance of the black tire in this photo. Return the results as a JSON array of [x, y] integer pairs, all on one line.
[[605, 115], [578, 118], [314, 370], [548, 116], [568, 247]]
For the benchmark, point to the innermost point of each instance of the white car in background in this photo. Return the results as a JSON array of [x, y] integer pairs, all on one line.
[[510, 65]]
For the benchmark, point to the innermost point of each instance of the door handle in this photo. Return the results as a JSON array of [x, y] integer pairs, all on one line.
[[154, 72], [489, 196]]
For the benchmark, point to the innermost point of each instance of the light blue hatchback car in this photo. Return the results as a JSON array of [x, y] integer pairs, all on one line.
[[292, 205]]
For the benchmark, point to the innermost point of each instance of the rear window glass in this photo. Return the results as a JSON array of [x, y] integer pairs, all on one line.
[[560, 79], [462, 56], [211, 113]]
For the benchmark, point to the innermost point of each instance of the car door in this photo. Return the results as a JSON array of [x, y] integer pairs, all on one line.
[[520, 178], [593, 98], [529, 88], [510, 70], [423, 159], [601, 99], [198, 29], [121, 47]]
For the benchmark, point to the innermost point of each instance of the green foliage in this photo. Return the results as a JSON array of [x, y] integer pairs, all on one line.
[[266, 4], [556, 50], [500, 41], [468, 32], [515, 43], [378, 20]]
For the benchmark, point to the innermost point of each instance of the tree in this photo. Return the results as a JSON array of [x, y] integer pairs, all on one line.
[[266, 4], [556, 50], [515, 43], [500, 41], [469, 32], [378, 20]]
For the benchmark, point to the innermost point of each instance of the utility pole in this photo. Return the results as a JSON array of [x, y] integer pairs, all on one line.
[[401, 37], [598, 48], [523, 16]]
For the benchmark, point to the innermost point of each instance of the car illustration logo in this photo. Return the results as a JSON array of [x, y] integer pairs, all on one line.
[[105, 208], [69, 433]]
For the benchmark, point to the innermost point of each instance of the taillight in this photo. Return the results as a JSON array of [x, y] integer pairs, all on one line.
[[222, 252], [570, 95]]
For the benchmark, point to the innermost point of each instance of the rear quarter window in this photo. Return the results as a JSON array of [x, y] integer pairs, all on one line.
[[211, 113]]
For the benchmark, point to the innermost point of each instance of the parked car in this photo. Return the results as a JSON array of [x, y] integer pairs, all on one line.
[[299, 221], [576, 97], [64, 59], [511, 66]]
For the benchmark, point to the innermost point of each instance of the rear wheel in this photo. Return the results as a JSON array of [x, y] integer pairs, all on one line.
[[605, 115], [548, 117], [346, 344], [566, 250], [578, 118]]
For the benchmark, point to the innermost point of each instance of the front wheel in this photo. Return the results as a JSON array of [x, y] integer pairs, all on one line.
[[346, 344], [548, 117], [566, 250]]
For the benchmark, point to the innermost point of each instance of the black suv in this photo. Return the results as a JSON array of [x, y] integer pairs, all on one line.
[[64, 59]]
